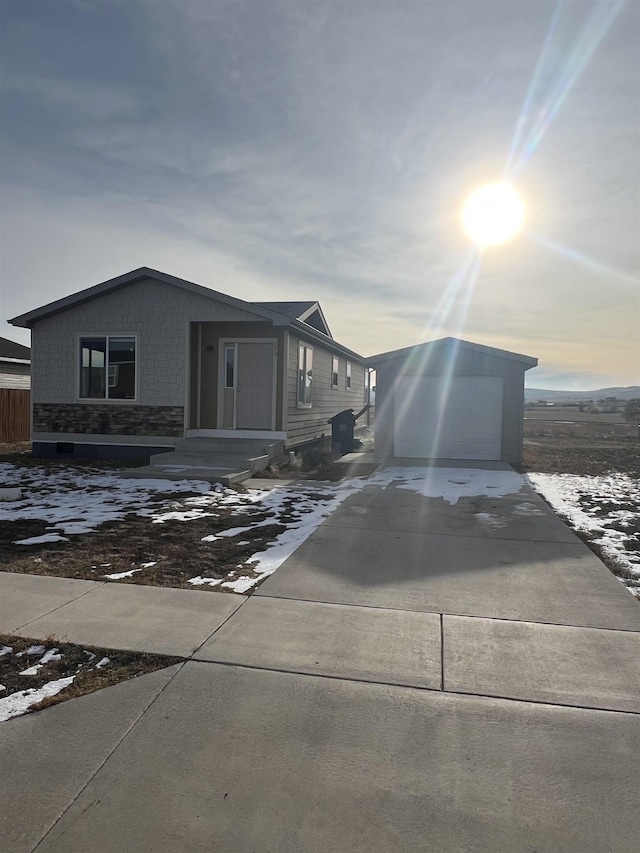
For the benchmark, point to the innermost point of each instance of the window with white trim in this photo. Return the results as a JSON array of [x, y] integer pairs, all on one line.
[[305, 375], [335, 369], [107, 368], [347, 381]]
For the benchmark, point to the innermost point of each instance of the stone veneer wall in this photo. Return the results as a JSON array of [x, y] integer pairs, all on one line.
[[109, 419]]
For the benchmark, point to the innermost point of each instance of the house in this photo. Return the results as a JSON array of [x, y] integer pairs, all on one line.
[[15, 381], [450, 399], [138, 364]]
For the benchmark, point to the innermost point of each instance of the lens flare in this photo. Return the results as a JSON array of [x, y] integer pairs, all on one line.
[[493, 214]]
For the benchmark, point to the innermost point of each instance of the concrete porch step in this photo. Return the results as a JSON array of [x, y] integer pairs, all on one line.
[[210, 474], [244, 446], [216, 460]]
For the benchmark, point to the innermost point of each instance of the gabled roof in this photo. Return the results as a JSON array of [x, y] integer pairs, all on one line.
[[14, 351], [293, 310], [27, 320], [309, 322], [306, 312], [449, 343]]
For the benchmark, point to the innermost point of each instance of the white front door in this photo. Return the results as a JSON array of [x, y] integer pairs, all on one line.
[[459, 418], [255, 385]]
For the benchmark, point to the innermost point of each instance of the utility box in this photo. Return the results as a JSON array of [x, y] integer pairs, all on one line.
[[342, 426]]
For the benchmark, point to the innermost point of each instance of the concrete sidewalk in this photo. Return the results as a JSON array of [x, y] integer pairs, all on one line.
[[410, 679]]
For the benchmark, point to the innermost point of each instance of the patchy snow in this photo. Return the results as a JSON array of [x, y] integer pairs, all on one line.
[[236, 531], [33, 670], [305, 509], [39, 540], [47, 657], [116, 576], [180, 515], [450, 484], [527, 509], [17, 703], [50, 655], [490, 521], [241, 585], [6, 650], [32, 651], [103, 662], [200, 581], [607, 508], [76, 501]]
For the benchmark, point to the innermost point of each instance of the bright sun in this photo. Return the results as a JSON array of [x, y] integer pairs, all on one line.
[[493, 214]]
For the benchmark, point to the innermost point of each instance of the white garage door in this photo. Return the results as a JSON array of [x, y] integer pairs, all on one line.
[[461, 419]]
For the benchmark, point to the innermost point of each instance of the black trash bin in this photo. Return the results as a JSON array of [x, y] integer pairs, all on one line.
[[342, 426]]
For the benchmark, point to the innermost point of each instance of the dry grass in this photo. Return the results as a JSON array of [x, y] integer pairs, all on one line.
[[594, 444], [174, 546], [78, 660]]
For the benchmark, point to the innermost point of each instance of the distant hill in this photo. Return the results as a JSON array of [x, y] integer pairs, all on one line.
[[532, 395]]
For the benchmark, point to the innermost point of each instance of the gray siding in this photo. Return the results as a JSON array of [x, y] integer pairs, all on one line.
[[309, 424], [468, 363], [158, 313]]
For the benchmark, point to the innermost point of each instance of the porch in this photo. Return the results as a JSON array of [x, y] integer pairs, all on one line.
[[216, 460]]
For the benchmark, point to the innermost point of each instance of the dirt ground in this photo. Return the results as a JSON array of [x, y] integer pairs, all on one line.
[[573, 442], [166, 554], [567, 441], [175, 547], [81, 661]]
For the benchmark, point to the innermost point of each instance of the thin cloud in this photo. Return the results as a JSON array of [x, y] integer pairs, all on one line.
[[288, 150]]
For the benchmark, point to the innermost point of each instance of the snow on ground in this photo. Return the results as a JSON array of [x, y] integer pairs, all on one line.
[[450, 484], [607, 507], [116, 576], [17, 703], [41, 540], [77, 501], [20, 701], [303, 511]]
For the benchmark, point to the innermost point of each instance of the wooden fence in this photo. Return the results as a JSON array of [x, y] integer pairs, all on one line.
[[14, 414]]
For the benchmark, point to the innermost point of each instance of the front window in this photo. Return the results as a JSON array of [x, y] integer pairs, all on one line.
[[335, 366], [108, 368], [347, 383], [305, 375]]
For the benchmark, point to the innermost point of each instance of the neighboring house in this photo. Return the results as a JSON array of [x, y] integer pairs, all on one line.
[[132, 365], [15, 380], [450, 399]]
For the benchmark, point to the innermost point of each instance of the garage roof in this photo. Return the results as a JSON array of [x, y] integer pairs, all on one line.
[[423, 350]]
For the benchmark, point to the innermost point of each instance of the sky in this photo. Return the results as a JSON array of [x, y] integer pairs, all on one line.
[[324, 150]]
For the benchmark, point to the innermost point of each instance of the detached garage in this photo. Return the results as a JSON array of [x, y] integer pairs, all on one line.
[[450, 399]]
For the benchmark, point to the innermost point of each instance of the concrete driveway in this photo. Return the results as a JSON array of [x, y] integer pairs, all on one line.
[[419, 675]]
